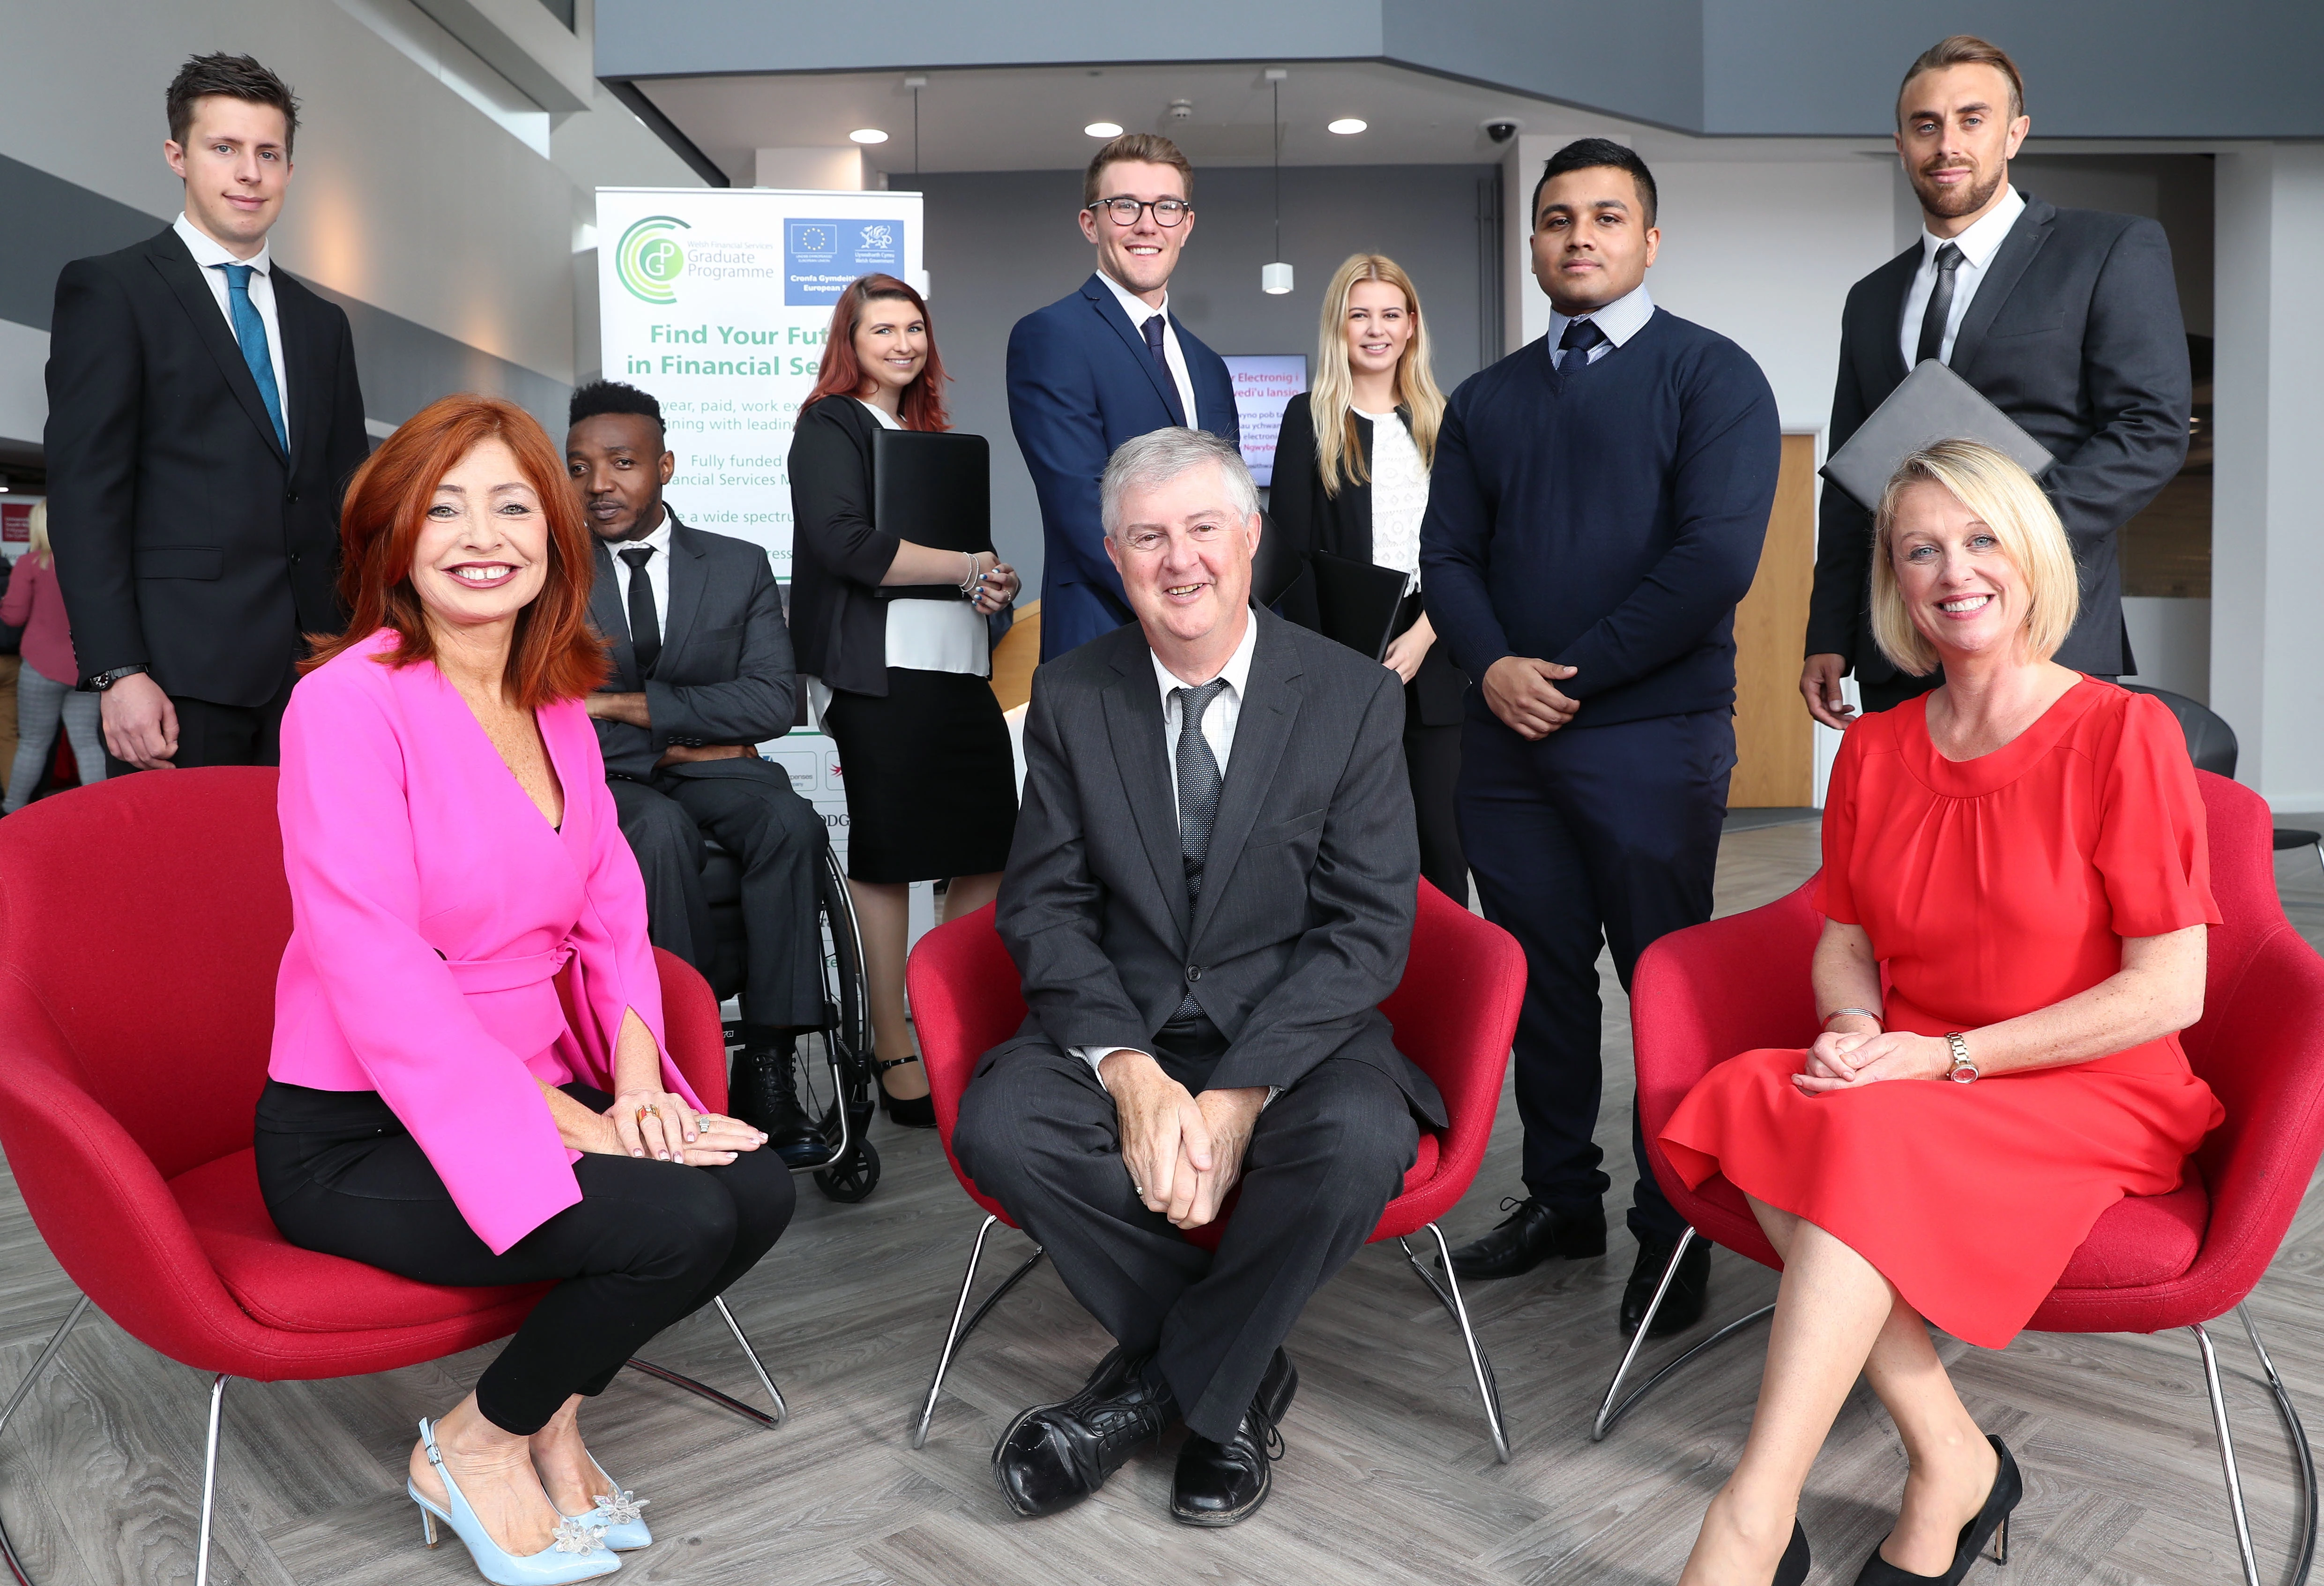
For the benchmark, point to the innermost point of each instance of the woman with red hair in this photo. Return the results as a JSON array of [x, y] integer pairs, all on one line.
[[451, 846], [892, 642]]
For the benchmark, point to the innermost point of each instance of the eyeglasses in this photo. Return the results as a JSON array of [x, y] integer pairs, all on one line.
[[1125, 211]]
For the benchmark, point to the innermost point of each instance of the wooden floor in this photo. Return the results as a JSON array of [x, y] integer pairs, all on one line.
[[1389, 1476]]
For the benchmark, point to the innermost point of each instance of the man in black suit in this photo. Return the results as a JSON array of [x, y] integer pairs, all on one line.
[[203, 421], [702, 675], [1211, 890], [2067, 321]]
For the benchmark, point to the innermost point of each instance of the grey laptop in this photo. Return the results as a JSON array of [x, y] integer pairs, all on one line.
[[1932, 404]]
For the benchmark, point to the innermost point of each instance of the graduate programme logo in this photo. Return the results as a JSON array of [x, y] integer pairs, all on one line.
[[649, 260]]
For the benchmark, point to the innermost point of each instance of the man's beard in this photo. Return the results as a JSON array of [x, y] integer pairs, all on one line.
[[1967, 198]]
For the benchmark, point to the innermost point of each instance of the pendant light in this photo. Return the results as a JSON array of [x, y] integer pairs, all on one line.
[[1276, 279]]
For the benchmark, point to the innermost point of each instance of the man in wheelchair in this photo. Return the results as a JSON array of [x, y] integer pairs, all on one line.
[[702, 674]]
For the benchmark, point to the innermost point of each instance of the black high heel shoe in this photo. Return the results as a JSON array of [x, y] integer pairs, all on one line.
[[1793, 1568], [1991, 1523], [904, 1113]]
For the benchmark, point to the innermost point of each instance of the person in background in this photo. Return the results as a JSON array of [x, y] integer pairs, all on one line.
[[2016, 893], [2066, 319], [1351, 479], [203, 419], [1596, 512], [900, 685], [1105, 363], [702, 675], [44, 681]]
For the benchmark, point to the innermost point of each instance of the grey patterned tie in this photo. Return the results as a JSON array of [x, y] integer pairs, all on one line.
[[1198, 794]]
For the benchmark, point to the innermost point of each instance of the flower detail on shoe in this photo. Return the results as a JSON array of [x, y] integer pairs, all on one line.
[[620, 1507], [573, 1537]]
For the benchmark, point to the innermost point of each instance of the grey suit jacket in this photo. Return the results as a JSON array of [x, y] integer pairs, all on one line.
[[1309, 888], [724, 674]]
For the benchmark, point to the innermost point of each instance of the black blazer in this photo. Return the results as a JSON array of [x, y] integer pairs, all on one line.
[[2074, 333], [1309, 891], [725, 673], [185, 540], [1309, 520]]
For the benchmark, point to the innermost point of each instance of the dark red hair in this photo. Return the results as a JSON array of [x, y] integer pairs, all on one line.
[[554, 655], [843, 372]]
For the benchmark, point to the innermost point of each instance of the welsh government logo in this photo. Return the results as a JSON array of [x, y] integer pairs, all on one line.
[[650, 261]]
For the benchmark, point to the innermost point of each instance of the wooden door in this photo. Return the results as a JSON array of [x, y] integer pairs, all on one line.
[[1775, 738]]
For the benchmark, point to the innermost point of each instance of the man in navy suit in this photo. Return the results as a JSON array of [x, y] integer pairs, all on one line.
[[1108, 363]]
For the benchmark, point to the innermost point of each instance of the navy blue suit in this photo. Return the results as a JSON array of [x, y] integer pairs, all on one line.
[[1081, 382]]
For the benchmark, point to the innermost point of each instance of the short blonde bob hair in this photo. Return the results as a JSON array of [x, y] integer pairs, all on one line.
[[2004, 497]]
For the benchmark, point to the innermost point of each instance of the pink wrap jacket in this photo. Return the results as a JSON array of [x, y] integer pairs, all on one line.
[[431, 910]]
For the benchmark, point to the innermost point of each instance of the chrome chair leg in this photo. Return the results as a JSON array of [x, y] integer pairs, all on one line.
[[1609, 1411], [17, 1570], [957, 1334], [2226, 1453], [1448, 1294], [702, 1389], [758, 1368], [209, 1480], [2299, 1449]]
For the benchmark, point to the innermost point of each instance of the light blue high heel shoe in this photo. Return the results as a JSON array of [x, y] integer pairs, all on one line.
[[616, 1515], [577, 1553]]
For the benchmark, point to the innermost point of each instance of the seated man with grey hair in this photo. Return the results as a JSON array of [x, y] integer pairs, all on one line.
[[1211, 890]]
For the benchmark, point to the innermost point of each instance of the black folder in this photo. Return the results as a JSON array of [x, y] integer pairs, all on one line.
[[1932, 404], [933, 488], [1359, 601]]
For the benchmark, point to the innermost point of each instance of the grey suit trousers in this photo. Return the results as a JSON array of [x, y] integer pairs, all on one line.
[[1038, 1133]]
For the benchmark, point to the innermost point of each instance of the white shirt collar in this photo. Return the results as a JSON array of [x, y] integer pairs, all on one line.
[[1139, 310], [1620, 319], [209, 253], [1236, 671], [1981, 241], [659, 540]]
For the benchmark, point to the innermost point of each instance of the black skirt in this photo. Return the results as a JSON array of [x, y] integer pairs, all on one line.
[[931, 782]]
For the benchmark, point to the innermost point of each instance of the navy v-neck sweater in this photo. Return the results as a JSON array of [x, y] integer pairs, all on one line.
[[1608, 518]]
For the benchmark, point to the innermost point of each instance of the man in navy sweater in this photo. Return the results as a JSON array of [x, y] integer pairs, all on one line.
[[1595, 512]]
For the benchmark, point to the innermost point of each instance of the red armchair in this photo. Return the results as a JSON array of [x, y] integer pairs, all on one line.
[[1454, 1013], [2183, 1259], [140, 924]]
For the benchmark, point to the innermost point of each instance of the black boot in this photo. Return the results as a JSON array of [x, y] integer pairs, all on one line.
[[765, 1095], [1690, 1290], [1530, 1235]]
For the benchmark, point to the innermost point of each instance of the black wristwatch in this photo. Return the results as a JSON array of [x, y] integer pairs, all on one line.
[[104, 681]]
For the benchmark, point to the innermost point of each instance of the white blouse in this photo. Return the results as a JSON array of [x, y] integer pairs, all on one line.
[[1399, 496]]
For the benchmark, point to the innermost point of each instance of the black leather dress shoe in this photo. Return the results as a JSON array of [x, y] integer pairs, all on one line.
[[1689, 1291], [1220, 1483], [766, 1097], [1053, 1456], [1530, 1235]]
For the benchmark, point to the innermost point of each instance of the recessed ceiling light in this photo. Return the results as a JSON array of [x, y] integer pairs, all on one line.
[[867, 134], [1104, 129], [1348, 126]]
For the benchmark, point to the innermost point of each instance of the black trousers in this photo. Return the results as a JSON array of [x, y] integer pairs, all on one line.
[[1894, 690], [223, 734], [777, 839], [650, 1243], [1038, 1133], [1432, 756], [1593, 835]]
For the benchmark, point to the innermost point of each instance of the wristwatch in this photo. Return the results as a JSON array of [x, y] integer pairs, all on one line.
[[1963, 1071], [104, 681]]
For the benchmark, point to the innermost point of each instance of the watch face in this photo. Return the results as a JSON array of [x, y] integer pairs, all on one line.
[[1963, 1072]]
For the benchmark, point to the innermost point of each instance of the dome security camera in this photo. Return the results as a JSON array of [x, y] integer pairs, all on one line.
[[1500, 130]]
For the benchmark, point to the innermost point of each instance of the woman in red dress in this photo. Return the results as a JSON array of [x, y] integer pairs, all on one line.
[[2023, 851]]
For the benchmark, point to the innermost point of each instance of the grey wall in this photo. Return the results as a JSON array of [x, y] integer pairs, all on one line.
[[1004, 244]]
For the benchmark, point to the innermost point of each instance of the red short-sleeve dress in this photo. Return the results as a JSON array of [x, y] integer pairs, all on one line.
[[1990, 888]]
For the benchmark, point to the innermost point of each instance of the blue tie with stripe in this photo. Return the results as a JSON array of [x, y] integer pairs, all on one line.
[[250, 330]]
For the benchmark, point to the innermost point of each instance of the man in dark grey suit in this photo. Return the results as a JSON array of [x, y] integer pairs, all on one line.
[[1211, 890], [702, 674], [2066, 319]]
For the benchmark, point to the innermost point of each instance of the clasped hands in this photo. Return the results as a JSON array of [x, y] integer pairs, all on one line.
[[1185, 1152], [661, 1124], [1850, 1059], [1522, 691]]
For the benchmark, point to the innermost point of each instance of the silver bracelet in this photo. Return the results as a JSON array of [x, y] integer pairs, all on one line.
[[968, 579], [1872, 1014]]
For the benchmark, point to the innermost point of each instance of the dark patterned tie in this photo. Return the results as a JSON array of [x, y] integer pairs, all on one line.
[[1152, 330], [1198, 795], [645, 628], [1941, 304], [1574, 346]]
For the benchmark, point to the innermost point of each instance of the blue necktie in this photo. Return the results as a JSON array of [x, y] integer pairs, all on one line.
[[1574, 346], [250, 330]]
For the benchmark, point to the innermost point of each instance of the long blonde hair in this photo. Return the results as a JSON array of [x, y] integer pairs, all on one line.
[[39, 546], [1338, 457]]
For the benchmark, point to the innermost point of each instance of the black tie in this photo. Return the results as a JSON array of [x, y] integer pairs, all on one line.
[[1198, 795], [645, 628], [1941, 304], [1153, 329], [1574, 346]]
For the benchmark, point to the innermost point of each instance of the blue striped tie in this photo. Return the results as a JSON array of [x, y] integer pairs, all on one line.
[[250, 330]]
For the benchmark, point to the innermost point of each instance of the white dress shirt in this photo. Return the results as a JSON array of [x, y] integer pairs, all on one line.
[[1139, 311], [1978, 244], [1219, 720], [656, 567], [213, 258], [1620, 319], [1399, 496]]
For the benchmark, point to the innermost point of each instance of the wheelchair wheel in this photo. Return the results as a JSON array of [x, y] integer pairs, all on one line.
[[850, 1179], [846, 1036]]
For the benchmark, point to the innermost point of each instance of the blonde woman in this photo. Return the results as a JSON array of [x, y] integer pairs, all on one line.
[[2022, 850], [44, 683], [1351, 480]]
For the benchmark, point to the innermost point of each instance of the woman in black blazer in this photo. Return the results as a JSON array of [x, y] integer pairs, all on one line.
[[1351, 479], [901, 685]]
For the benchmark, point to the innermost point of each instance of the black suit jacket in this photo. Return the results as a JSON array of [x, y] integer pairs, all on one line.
[[838, 554], [185, 540], [1309, 887], [723, 675], [1308, 519], [2075, 333]]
